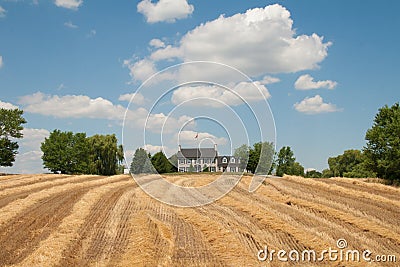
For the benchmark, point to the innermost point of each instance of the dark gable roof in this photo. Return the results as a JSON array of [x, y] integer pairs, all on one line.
[[197, 153]]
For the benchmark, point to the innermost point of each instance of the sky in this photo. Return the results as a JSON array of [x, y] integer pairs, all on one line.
[[306, 74]]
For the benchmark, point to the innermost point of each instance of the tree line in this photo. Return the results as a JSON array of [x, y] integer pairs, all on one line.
[[75, 153], [71, 153], [380, 157]]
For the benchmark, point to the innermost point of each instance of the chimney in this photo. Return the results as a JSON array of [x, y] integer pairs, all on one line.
[[215, 147], [179, 148]]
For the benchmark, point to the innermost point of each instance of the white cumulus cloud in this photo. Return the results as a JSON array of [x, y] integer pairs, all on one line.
[[160, 122], [269, 80], [315, 105], [69, 4], [144, 69], [137, 98], [258, 42], [306, 82], [157, 43], [215, 96], [71, 106], [7, 105], [165, 10], [168, 52]]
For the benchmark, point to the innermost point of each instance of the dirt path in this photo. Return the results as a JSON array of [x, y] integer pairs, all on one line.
[[109, 221]]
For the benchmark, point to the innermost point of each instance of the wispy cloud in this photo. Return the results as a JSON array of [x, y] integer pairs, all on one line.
[[2, 12], [69, 24], [69, 4], [91, 34]]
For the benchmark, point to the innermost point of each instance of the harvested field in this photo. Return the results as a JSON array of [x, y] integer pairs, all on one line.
[[59, 220]]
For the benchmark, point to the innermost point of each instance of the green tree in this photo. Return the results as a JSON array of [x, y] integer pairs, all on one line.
[[10, 129], [120, 158], [297, 169], [359, 171], [140, 158], [285, 161], [161, 163], [191, 168], [327, 173], [104, 154], [206, 168], [66, 152], [350, 164], [174, 161], [313, 174], [148, 167], [242, 152], [345, 162], [382, 152], [261, 157]]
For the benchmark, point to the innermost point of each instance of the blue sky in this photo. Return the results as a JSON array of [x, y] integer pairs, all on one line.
[[325, 68]]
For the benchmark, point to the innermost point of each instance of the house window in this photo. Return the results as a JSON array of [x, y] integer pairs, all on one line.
[[232, 160], [188, 161], [224, 160], [182, 161], [233, 169], [182, 169], [206, 160]]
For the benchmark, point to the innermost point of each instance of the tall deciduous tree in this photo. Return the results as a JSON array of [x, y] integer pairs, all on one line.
[[285, 161], [10, 129], [382, 151], [261, 157], [66, 152], [104, 154]]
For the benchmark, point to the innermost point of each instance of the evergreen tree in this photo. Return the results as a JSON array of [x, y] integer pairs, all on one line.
[[161, 163], [138, 162]]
